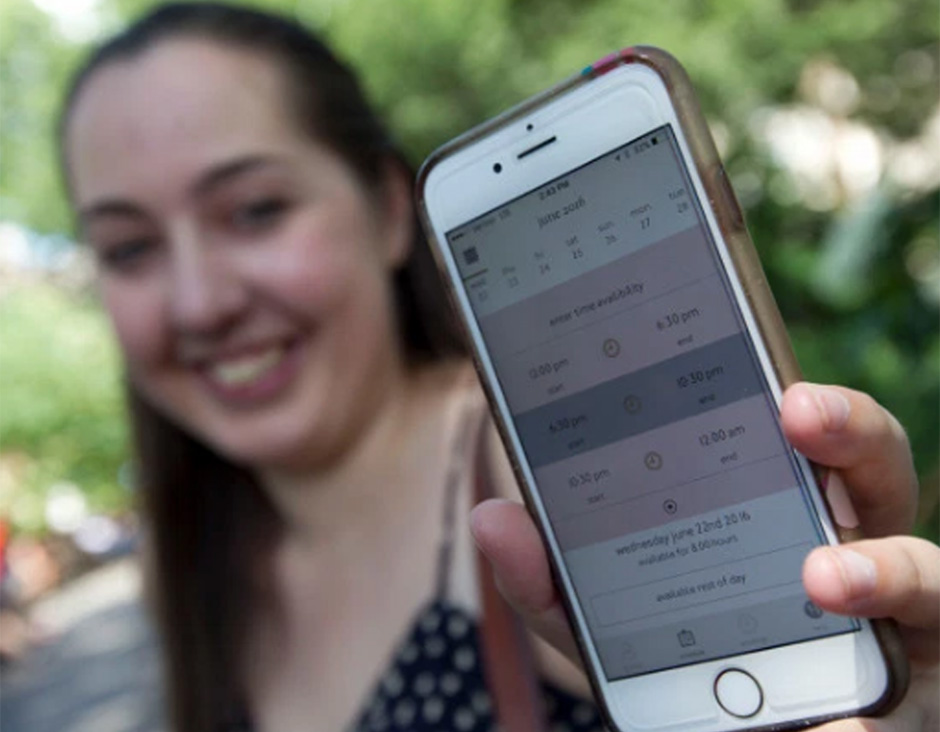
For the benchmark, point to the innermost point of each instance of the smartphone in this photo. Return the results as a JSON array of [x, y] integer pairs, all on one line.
[[634, 360]]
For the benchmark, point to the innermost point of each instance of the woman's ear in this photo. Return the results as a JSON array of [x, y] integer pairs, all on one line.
[[398, 210]]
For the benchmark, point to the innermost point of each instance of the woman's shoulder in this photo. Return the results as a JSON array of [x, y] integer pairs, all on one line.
[[458, 388], [453, 387]]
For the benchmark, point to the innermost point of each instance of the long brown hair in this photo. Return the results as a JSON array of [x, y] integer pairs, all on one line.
[[210, 525]]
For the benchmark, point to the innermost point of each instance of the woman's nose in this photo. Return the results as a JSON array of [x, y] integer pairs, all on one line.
[[206, 293]]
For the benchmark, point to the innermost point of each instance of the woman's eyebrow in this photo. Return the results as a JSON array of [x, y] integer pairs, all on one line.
[[111, 207], [221, 174], [211, 179]]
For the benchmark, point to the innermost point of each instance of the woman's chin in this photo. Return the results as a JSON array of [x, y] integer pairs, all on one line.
[[274, 444]]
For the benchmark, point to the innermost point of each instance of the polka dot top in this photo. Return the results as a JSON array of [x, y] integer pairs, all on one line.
[[435, 682], [436, 678]]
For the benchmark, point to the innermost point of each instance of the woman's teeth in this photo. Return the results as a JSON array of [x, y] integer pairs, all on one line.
[[246, 369]]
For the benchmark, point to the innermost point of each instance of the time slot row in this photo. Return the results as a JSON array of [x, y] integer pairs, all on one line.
[[709, 377], [582, 301], [657, 330], [662, 463]]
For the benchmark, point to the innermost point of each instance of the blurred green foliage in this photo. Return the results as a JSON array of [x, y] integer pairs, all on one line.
[[60, 408], [855, 266]]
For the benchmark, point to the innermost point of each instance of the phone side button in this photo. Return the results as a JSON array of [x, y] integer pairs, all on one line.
[[729, 208], [738, 693]]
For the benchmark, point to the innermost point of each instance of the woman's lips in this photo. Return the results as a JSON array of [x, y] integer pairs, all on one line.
[[252, 377], [246, 369]]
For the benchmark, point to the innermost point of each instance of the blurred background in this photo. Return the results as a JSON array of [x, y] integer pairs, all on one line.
[[825, 112]]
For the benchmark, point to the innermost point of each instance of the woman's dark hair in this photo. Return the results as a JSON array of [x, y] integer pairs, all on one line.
[[210, 525]]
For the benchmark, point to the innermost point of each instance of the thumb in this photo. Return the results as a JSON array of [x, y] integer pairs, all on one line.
[[506, 535], [897, 577]]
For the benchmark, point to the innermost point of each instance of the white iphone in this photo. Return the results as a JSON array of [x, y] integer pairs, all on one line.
[[634, 360]]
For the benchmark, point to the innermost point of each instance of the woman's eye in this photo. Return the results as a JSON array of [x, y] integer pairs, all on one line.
[[128, 254], [259, 214]]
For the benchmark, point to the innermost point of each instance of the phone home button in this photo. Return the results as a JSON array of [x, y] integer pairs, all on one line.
[[738, 693]]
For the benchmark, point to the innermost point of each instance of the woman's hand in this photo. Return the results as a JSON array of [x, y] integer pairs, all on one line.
[[873, 486]]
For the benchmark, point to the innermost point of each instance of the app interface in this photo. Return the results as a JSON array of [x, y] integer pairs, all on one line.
[[679, 509]]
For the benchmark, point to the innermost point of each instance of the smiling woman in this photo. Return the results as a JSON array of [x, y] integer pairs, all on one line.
[[302, 405], [257, 260]]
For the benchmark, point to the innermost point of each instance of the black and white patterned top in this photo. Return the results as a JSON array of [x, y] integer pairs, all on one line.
[[436, 683]]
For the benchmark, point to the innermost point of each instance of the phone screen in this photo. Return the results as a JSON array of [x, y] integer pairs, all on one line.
[[680, 510]]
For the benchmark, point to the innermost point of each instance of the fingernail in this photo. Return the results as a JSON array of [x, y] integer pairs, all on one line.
[[475, 530], [858, 571], [837, 495], [833, 407], [472, 520]]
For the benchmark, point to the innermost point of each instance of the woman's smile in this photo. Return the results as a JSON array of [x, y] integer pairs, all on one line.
[[254, 375]]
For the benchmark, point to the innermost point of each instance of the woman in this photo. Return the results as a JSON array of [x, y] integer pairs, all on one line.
[[301, 404]]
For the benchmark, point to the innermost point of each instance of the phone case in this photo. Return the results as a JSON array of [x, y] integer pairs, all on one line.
[[731, 221]]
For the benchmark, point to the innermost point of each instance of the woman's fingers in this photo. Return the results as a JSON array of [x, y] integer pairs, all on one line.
[[850, 431], [507, 536], [898, 578]]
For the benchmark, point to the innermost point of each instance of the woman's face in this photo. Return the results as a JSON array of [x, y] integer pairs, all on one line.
[[244, 265]]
